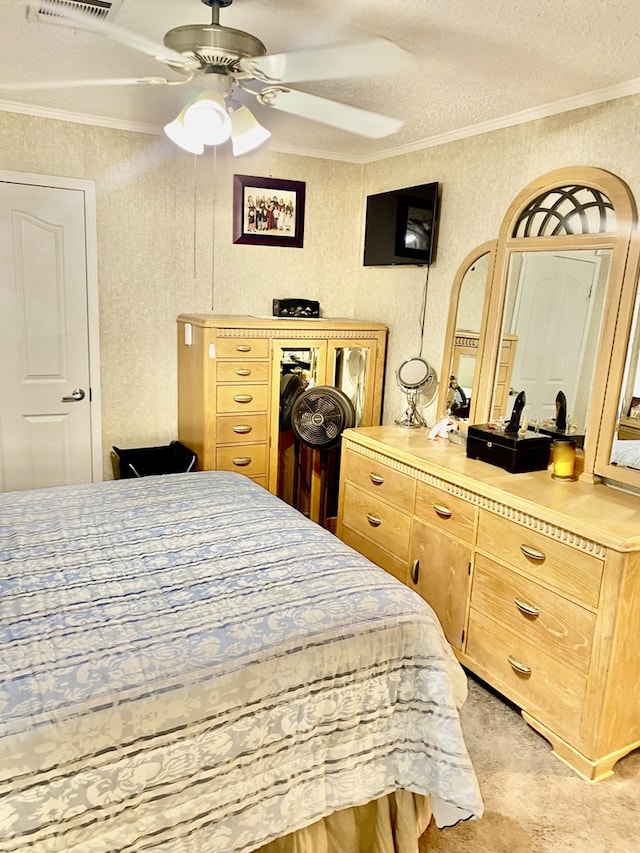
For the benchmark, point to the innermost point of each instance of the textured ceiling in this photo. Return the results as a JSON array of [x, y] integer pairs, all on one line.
[[475, 63]]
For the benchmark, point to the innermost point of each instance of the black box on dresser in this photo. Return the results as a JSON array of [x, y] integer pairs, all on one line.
[[514, 452]]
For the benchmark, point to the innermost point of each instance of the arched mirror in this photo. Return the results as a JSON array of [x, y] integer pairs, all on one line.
[[457, 395], [560, 273]]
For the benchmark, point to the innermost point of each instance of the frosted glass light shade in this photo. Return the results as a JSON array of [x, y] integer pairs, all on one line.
[[177, 132], [247, 133], [207, 119]]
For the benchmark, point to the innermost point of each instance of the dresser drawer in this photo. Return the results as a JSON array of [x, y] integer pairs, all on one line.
[[242, 371], [379, 522], [572, 573], [234, 429], [380, 480], [559, 627], [550, 691], [242, 348], [447, 512], [386, 561], [246, 398], [249, 459]]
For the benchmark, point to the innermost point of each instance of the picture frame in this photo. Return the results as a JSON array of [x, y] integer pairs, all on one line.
[[268, 211], [634, 408]]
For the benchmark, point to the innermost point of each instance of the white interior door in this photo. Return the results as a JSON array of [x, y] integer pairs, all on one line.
[[552, 304], [49, 424]]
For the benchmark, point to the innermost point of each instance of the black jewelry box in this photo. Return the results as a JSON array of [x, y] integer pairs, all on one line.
[[514, 452]]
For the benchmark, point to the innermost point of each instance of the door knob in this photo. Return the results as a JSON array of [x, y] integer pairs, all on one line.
[[76, 395]]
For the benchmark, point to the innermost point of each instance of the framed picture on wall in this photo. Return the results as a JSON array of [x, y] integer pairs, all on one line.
[[268, 211]]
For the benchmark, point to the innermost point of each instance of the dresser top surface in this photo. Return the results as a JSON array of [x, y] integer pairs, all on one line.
[[599, 512], [281, 324]]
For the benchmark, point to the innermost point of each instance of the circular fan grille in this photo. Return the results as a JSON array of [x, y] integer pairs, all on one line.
[[320, 415]]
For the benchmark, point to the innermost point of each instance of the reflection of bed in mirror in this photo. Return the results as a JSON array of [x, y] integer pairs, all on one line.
[[626, 452]]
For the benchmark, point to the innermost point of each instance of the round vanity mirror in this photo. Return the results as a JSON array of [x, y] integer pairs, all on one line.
[[414, 375], [414, 372]]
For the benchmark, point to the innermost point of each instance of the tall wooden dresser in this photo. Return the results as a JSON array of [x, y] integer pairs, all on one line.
[[229, 388], [535, 582]]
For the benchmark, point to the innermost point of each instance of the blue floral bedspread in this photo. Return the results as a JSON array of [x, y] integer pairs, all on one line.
[[189, 665]]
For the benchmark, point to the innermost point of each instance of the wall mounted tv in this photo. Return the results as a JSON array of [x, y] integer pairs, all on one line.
[[401, 226]]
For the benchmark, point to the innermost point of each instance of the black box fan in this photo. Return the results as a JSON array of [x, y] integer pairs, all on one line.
[[319, 416]]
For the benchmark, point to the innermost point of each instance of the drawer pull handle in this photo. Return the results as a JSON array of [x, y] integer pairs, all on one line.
[[243, 348], [241, 461], [376, 479], [442, 511], [242, 429], [518, 667], [532, 554], [373, 521], [527, 609], [415, 571], [243, 398], [244, 371]]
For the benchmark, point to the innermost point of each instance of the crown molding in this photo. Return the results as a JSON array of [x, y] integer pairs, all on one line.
[[78, 118], [564, 105]]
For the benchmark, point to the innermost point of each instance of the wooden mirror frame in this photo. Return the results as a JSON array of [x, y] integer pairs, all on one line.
[[619, 296], [613, 387], [472, 258]]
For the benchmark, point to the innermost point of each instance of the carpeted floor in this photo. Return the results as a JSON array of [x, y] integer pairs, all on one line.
[[533, 802]]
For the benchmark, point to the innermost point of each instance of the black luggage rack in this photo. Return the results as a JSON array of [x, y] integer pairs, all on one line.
[[173, 458]]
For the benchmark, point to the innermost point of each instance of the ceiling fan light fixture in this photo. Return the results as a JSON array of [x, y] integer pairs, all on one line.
[[246, 132], [207, 119], [183, 138]]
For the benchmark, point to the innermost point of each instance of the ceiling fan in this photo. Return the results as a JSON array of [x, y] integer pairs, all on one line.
[[229, 61]]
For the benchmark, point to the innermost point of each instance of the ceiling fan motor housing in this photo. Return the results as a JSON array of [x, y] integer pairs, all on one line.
[[217, 48]]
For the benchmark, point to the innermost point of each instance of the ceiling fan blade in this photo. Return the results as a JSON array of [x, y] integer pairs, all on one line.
[[350, 59], [41, 85], [119, 34], [353, 119]]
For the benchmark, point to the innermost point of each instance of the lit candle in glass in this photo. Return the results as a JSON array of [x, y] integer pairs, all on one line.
[[563, 454]]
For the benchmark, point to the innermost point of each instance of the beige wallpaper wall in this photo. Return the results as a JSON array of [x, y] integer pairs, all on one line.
[[162, 252]]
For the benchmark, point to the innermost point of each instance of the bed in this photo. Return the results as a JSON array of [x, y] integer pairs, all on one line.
[[626, 452], [189, 665]]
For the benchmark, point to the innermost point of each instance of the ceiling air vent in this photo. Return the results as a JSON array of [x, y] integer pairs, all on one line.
[[94, 10]]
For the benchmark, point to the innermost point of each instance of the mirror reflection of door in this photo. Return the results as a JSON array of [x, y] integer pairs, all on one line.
[[554, 310]]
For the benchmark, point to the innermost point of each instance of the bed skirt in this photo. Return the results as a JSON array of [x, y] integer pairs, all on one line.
[[392, 824]]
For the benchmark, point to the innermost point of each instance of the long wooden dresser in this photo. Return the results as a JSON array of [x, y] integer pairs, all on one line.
[[535, 582]]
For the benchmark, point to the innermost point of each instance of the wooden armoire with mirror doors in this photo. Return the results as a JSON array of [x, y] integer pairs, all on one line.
[[231, 372]]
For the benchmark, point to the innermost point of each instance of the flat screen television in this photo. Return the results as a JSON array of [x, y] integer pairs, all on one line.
[[401, 226]]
